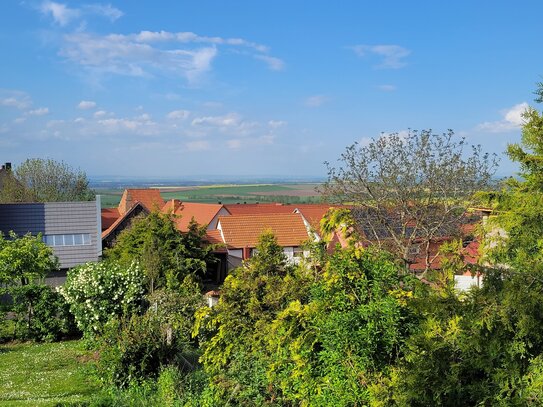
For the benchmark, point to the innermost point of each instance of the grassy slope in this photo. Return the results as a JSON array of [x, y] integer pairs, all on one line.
[[44, 374]]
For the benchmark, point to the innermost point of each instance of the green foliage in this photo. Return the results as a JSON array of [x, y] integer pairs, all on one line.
[[331, 350], [41, 313], [234, 332], [166, 255], [24, 259], [282, 335], [136, 348], [46, 180], [98, 292]]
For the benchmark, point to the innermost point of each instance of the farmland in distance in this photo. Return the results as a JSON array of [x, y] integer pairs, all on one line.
[[227, 193]]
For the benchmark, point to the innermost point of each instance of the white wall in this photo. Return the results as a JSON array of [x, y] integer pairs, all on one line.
[[464, 283]]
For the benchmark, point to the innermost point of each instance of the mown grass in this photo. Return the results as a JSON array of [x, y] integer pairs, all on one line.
[[46, 374]]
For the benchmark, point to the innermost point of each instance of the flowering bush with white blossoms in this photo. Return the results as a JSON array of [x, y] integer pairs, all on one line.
[[97, 292]]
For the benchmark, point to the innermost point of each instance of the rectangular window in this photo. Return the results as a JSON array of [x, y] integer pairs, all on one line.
[[59, 240], [68, 240], [78, 240], [72, 239]]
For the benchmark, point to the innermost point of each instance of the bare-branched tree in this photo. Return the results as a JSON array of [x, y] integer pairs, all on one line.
[[409, 191]]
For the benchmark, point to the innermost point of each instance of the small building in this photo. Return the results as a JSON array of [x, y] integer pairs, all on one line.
[[240, 234], [134, 202], [71, 229]]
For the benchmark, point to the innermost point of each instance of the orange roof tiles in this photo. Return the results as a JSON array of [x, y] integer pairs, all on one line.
[[213, 236], [259, 208], [113, 226], [149, 197], [202, 213], [241, 231], [109, 216], [313, 213]]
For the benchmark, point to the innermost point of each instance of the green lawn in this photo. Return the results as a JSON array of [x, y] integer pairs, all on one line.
[[45, 374]]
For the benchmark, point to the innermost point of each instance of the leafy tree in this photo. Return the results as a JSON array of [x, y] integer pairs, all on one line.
[[486, 348], [167, 255], [233, 334], [24, 259], [335, 348], [41, 313], [45, 180], [409, 190]]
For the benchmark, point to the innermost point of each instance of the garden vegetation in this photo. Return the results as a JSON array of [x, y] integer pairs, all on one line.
[[349, 328]]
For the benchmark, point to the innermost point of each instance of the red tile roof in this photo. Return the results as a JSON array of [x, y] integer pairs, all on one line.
[[113, 226], [149, 197], [259, 208], [109, 216], [202, 213], [244, 230], [313, 213]]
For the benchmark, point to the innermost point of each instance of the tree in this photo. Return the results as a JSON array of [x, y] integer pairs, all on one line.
[[45, 180], [234, 333], [408, 191], [518, 205], [24, 259], [166, 254]]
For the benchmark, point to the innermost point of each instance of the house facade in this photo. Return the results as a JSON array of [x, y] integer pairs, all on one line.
[[71, 229]]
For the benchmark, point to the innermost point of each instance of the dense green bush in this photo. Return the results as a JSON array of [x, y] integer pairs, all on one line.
[[98, 292], [41, 313], [136, 348], [165, 255]]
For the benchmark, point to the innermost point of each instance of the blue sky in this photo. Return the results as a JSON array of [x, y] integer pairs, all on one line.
[[185, 89]]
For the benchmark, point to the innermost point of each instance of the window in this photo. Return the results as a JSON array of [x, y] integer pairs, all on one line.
[[75, 239], [298, 252]]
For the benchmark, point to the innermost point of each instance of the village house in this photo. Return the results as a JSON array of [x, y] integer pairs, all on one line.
[[71, 229]]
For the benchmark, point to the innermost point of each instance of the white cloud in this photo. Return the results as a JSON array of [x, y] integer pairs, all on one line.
[[150, 53], [178, 115], [392, 55], [275, 124], [105, 10], [199, 145], [100, 113], [60, 13], [387, 88], [316, 100], [190, 37], [14, 98], [118, 54], [63, 15], [227, 120], [86, 105], [39, 112], [19, 120], [275, 64], [512, 120]]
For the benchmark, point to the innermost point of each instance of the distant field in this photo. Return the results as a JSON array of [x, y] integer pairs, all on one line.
[[285, 193]]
